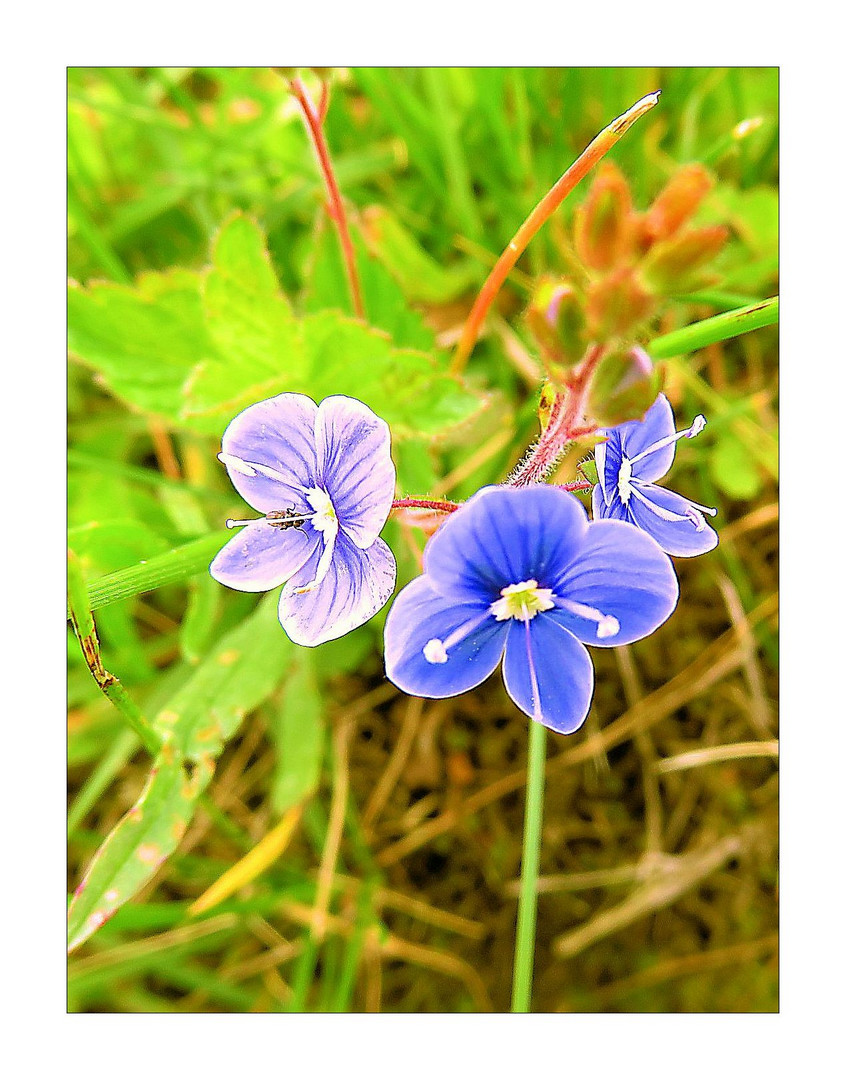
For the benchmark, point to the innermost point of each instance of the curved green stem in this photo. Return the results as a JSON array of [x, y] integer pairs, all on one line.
[[524, 948]]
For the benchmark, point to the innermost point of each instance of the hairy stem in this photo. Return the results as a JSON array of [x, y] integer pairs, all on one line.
[[425, 504]]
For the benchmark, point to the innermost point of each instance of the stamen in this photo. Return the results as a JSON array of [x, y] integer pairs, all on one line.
[[231, 523], [437, 651], [606, 625], [323, 565], [250, 468], [692, 512], [522, 601], [687, 433], [233, 462]]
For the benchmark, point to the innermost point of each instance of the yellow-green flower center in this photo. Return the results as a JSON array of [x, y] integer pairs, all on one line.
[[522, 601]]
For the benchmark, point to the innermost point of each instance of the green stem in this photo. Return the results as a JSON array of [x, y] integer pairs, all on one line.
[[524, 948], [169, 568], [718, 328], [86, 632]]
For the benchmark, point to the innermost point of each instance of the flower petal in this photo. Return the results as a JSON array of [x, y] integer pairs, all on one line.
[[418, 615], [354, 460], [502, 536], [357, 584], [675, 537], [639, 435], [262, 556], [614, 508], [608, 457], [622, 572], [562, 668], [277, 434]]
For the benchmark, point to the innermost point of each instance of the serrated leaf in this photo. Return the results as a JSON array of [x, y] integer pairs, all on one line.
[[137, 846], [299, 736], [245, 667], [249, 322], [385, 302]]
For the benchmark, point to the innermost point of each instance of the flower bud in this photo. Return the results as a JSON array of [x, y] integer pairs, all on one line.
[[616, 305], [623, 387], [556, 319], [676, 203], [673, 265], [604, 223]]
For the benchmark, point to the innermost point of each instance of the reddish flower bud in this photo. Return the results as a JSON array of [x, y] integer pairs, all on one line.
[[676, 203], [556, 319], [616, 305], [623, 387], [674, 265], [604, 230]]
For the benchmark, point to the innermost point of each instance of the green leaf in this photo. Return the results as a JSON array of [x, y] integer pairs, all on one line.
[[174, 566], [384, 299], [244, 668], [730, 324], [299, 735], [143, 340], [137, 846], [250, 324], [408, 389]]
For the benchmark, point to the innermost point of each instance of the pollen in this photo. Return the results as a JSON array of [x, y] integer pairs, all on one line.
[[522, 601]]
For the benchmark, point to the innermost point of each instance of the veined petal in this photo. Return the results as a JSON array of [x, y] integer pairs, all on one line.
[[356, 585], [277, 434], [354, 460], [503, 536], [614, 508], [420, 615], [563, 673], [674, 537], [608, 457], [638, 435], [620, 572], [262, 556]]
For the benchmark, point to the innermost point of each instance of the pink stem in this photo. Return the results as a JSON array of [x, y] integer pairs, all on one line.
[[425, 504]]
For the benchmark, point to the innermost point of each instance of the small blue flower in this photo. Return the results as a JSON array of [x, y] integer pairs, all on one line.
[[522, 572], [324, 480], [637, 454]]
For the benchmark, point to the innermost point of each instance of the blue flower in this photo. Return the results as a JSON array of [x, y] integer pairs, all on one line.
[[637, 454], [324, 480], [522, 572]]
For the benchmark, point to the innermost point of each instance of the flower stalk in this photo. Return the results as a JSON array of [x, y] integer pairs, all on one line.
[[314, 117], [594, 153], [524, 947]]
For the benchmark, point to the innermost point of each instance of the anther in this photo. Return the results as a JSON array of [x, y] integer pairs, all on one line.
[[686, 433], [435, 652], [606, 625]]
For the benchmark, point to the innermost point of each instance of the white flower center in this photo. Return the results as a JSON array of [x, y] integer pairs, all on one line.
[[624, 485], [522, 601], [325, 519]]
